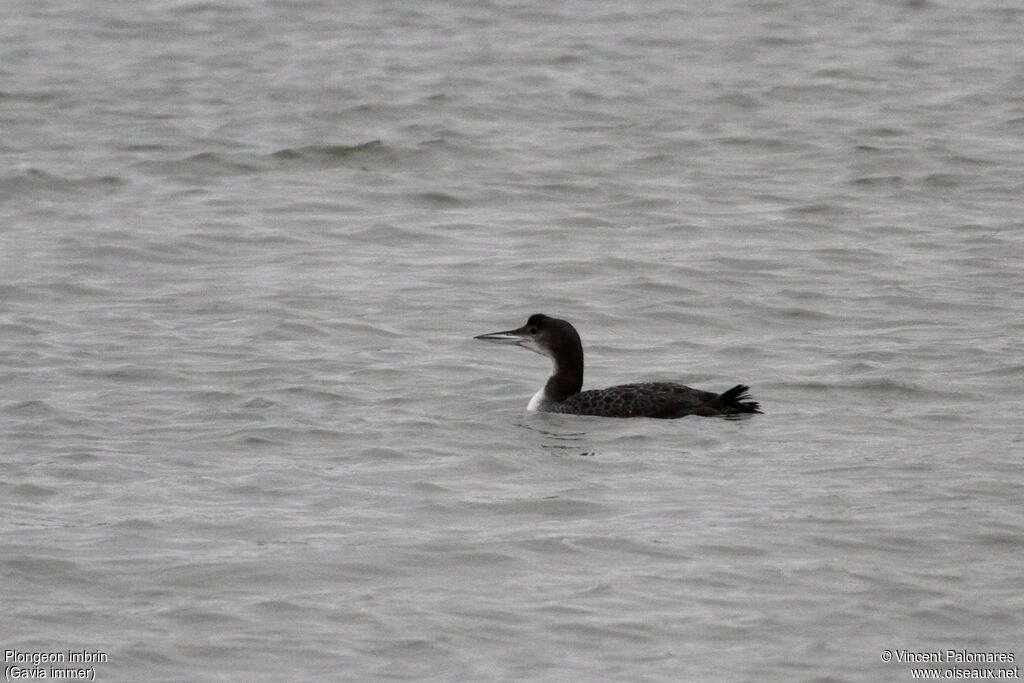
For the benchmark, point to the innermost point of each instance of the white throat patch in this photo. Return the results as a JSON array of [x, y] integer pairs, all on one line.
[[535, 347], [538, 400]]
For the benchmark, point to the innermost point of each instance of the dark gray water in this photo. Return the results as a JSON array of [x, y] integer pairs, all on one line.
[[246, 433]]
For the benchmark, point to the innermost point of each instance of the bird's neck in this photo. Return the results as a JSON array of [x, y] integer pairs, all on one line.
[[566, 380]]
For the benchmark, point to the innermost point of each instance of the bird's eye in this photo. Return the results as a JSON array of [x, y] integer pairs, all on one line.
[[532, 330]]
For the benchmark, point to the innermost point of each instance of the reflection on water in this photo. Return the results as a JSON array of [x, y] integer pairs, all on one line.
[[559, 441]]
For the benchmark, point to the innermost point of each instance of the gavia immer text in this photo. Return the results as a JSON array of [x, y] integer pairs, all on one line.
[[559, 341]]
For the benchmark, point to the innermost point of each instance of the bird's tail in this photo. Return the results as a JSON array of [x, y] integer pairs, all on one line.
[[737, 398]]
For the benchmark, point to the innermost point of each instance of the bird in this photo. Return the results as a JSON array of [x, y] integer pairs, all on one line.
[[559, 341]]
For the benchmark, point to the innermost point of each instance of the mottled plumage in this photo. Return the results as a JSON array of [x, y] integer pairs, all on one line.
[[655, 399], [559, 340]]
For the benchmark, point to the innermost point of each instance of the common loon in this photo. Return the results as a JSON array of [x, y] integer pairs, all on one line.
[[558, 340]]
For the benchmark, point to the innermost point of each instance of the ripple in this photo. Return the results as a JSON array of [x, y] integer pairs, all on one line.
[[320, 153], [32, 182], [32, 491]]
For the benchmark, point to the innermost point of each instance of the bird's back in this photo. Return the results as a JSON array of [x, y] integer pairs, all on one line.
[[656, 399]]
